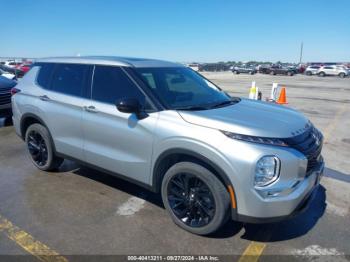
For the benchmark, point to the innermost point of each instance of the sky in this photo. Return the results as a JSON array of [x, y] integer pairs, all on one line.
[[178, 30]]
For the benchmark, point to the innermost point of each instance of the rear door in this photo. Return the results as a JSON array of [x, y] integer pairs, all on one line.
[[329, 70], [60, 101], [116, 141]]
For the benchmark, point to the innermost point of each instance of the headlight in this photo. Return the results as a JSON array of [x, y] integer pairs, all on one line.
[[267, 170], [256, 139]]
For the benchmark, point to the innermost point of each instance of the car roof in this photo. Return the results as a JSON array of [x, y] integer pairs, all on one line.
[[110, 60]]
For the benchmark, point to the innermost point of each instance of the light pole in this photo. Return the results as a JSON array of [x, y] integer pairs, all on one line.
[[301, 52]]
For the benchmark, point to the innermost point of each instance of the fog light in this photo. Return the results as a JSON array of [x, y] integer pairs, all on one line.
[[267, 171]]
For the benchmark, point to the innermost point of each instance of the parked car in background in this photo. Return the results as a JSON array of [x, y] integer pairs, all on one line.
[[213, 67], [244, 69], [333, 70], [7, 75], [312, 70], [17, 72], [278, 70], [263, 68], [5, 96], [301, 68], [25, 67], [11, 63]]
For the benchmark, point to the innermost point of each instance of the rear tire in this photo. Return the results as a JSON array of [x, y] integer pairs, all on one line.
[[272, 73], [40, 148], [308, 73], [342, 75], [322, 74], [195, 198]]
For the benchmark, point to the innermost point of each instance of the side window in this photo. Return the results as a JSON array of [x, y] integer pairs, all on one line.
[[70, 79], [111, 84], [44, 75]]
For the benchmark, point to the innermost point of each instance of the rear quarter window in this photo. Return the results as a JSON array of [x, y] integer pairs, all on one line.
[[44, 75]]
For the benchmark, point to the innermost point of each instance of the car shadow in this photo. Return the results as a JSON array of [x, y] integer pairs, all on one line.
[[118, 183], [284, 230]]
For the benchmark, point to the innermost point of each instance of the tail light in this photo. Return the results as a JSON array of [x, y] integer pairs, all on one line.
[[14, 91]]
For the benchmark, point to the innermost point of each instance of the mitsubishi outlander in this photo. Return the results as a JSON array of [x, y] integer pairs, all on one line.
[[165, 127]]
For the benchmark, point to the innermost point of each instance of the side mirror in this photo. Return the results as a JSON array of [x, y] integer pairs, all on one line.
[[131, 105]]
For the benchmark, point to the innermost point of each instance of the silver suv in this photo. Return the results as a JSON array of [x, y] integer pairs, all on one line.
[[169, 129], [333, 70]]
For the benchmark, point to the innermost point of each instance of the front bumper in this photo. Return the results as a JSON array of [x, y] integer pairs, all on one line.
[[291, 205]]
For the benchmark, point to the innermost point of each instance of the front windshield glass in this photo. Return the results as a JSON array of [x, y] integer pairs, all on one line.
[[182, 88]]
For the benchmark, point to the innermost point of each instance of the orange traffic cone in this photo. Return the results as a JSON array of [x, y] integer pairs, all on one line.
[[283, 97]]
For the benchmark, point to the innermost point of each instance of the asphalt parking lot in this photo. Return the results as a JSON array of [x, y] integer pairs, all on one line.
[[79, 211]]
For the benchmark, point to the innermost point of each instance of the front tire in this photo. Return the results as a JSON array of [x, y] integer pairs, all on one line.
[[322, 74], [195, 198], [40, 148], [342, 75]]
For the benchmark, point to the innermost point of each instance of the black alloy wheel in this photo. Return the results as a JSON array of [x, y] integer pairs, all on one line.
[[37, 148], [191, 200], [41, 148]]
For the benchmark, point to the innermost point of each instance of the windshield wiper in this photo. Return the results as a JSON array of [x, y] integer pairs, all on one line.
[[227, 102], [192, 108]]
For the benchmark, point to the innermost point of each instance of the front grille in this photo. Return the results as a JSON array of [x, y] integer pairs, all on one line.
[[5, 97], [310, 144]]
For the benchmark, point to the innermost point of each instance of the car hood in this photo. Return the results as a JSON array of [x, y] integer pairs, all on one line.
[[251, 117]]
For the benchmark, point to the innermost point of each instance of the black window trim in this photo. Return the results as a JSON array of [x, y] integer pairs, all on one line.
[[154, 107]]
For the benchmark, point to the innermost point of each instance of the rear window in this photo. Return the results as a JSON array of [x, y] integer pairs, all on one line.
[[44, 75]]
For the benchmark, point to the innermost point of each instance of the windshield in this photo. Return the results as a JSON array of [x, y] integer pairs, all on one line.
[[182, 88]]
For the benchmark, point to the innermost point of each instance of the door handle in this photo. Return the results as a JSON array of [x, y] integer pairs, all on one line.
[[44, 98], [90, 109]]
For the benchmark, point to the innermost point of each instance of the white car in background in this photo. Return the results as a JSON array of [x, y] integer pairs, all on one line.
[[11, 63], [7, 75], [333, 70], [312, 70]]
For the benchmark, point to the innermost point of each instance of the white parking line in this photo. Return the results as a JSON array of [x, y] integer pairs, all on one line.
[[336, 210], [316, 250], [131, 206]]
